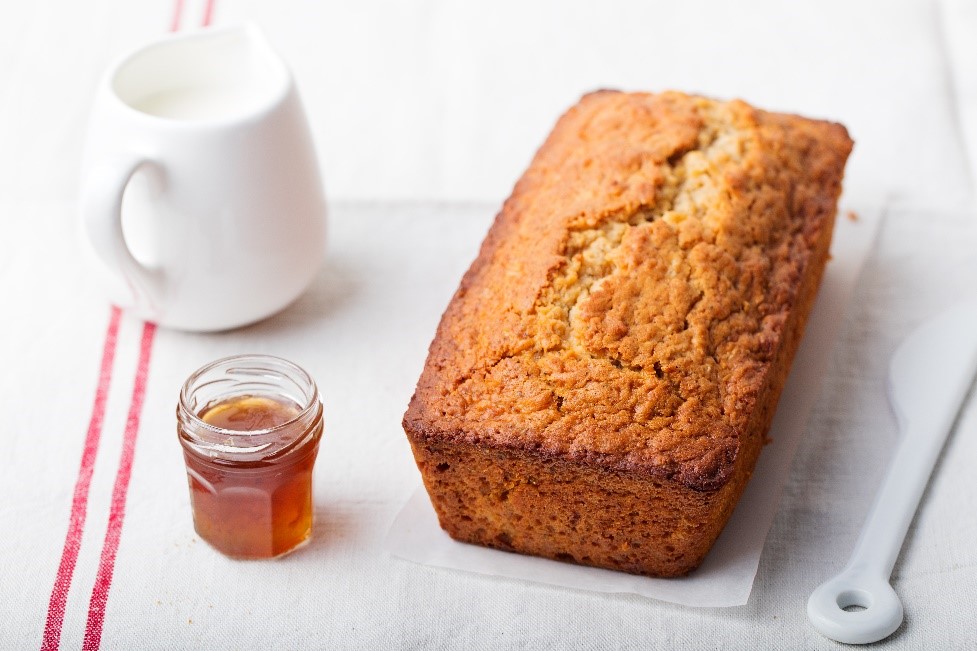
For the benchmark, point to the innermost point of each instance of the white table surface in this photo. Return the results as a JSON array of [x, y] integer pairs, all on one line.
[[424, 114]]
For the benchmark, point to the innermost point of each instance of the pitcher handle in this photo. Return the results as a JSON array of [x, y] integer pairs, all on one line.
[[101, 214]]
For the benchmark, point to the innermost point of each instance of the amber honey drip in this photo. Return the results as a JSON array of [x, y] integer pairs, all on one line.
[[257, 508]]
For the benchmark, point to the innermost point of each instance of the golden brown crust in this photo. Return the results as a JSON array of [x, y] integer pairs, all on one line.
[[635, 306]]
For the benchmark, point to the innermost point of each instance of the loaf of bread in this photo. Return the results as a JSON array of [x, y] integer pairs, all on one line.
[[601, 384]]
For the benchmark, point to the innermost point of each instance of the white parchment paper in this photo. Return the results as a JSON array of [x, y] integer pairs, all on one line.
[[726, 576]]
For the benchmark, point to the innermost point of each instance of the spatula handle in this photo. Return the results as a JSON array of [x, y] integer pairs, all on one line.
[[858, 605], [895, 505]]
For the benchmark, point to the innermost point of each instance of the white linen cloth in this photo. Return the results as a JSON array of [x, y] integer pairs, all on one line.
[[448, 100], [362, 331], [435, 108]]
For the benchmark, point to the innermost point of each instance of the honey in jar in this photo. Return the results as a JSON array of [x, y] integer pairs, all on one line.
[[250, 428]]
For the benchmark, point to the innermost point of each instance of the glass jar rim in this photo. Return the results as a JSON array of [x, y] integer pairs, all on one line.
[[312, 402]]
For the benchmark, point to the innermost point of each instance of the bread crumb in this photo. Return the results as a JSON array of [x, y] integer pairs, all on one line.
[[851, 215]]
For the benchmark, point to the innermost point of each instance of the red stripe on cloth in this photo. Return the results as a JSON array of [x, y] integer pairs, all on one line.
[[106, 566], [177, 14], [79, 503], [113, 534], [208, 14]]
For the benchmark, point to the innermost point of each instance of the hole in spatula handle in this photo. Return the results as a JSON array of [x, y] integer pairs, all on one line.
[[853, 601]]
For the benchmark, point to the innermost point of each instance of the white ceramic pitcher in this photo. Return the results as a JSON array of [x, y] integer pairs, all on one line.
[[201, 195]]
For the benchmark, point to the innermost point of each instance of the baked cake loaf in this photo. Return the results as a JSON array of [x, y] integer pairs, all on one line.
[[601, 384]]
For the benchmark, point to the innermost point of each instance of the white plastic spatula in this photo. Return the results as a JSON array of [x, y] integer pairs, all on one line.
[[929, 377]]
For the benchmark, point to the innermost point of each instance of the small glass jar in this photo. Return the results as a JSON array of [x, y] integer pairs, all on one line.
[[250, 427]]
